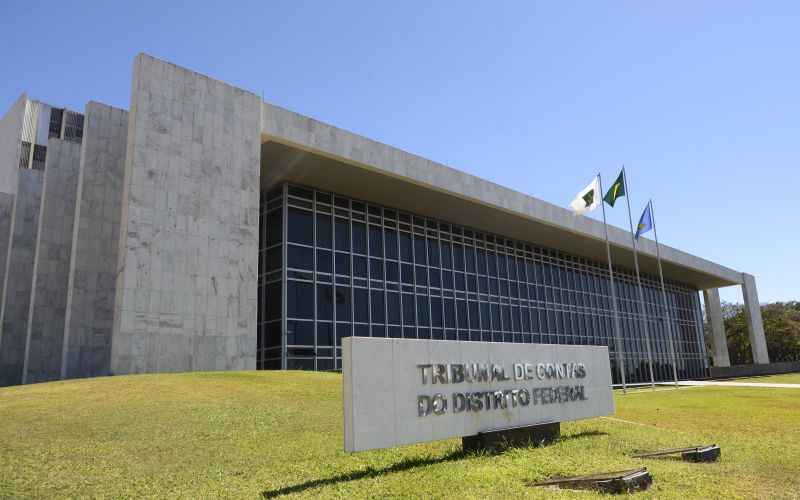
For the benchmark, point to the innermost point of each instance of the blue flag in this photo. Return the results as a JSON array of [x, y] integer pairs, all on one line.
[[645, 222]]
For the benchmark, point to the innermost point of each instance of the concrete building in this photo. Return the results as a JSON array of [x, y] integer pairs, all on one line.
[[205, 229]]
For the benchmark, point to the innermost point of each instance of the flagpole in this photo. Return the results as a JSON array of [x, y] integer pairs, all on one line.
[[670, 331], [617, 341], [639, 280]]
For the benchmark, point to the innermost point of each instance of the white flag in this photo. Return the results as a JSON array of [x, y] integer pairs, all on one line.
[[588, 199]]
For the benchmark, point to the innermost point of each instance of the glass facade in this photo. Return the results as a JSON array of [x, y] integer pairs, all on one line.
[[331, 267]]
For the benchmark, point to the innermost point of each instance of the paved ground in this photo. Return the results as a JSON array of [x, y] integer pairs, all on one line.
[[700, 383]]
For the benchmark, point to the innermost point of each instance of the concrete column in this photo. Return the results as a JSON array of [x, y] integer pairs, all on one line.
[[755, 327], [719, 342], [95, 243], [19, 275], [47, 309]]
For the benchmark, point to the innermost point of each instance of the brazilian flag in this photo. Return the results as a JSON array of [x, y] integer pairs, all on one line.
[[617, 190]]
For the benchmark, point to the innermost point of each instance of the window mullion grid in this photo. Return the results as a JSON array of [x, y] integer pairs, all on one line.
[[511, 260], [519, 278], [369, 269], [314, 275], [352, 269], [260, 305], [414, 276], [558, 298], [508, 282], [496, 327], [533, 299], [399, 277], [565, 309], [452, 291], [452, 272], [443, 327], [428, 273], [464, 273], [474, 247], [570, 307], [497, 250], [587, 299], [549, 298], [334, 331], [528, 295], [284, 274], [488, 287], [385, 277]]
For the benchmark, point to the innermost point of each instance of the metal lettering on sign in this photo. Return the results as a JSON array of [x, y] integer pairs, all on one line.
[[403, 391]]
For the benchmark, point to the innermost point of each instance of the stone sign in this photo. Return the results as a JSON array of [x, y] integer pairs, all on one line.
[[404, 391]]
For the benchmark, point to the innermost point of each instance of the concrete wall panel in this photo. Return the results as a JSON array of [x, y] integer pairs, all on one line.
[[10, 134], [95, 243], [186, 288], [48, 302], [19, 276]]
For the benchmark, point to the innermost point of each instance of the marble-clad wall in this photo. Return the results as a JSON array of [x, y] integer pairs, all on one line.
[[19, 276], [45, 325], [95, 243], [186, 288]]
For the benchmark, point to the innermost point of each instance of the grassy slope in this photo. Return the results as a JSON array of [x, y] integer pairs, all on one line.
[[272, 433], [786, 378]]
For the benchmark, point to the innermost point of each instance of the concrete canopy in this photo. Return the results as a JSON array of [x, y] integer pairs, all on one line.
[[301, 150]]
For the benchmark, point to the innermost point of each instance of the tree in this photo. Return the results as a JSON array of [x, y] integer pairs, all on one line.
[[781, 329]]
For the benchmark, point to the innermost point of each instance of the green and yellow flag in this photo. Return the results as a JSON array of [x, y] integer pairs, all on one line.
[[617, 190]]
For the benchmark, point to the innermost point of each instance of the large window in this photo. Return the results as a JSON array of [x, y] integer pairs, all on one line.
[[353, 268], [39, 157], [73, 130], [25, 154], [269, 342], [56, 121]]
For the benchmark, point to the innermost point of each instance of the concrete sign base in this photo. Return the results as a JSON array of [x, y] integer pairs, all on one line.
[[532, 435]]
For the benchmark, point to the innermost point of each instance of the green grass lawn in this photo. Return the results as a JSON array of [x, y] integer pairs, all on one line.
[[270, 434], [786, 378]]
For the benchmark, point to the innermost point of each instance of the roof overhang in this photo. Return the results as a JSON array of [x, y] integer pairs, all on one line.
[[301, 150]]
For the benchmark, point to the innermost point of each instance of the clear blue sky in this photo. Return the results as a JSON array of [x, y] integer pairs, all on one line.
[[701, 100]]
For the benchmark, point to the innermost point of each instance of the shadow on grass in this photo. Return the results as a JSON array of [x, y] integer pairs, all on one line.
[[581, 435], [369, 472], [406, 464]]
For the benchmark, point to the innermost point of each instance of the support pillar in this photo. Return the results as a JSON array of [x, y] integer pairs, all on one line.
[[719, 342], [755, 327]]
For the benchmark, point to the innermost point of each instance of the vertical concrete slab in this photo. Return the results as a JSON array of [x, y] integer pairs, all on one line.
[[186, 288], [95, 243], [19, 276], [6, 209], [45, 325], [755, 326], [10, 136], [719, 342]]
